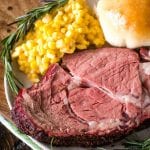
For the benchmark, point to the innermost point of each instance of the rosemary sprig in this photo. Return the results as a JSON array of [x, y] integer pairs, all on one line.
[[138, 145], [24, 24]]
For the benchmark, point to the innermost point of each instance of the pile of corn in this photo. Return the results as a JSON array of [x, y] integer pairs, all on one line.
[[62, 31]]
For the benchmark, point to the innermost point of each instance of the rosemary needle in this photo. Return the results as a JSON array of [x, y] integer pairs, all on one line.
[[24, 24], [144, 145]]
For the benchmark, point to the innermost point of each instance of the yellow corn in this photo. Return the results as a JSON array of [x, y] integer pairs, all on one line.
[[63, 31]]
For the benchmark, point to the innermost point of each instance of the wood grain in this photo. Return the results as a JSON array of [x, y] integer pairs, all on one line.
[[9, 10]]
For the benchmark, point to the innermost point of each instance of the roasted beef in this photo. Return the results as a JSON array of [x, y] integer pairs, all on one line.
[[92, 98]]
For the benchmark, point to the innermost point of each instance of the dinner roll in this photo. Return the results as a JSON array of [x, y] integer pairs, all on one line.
[[125, 23]]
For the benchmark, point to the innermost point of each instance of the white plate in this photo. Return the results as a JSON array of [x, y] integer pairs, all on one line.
[[34, 144]]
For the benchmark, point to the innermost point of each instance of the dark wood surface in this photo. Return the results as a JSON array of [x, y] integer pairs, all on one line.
[[9, 10]]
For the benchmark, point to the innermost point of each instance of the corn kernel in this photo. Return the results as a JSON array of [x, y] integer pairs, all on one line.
[[38, 60], [46, 19], [45, 59], [33, 65], [81, 46], [54, 60], [80, 30], [38, 23], [40, 41], [63, 30], [29, 44], [16, 52], [70, 27], [60, 43], [78, 6], [65, 18], [51, 56], [60, 13], [51, 45], [54, 35], [68, 33]]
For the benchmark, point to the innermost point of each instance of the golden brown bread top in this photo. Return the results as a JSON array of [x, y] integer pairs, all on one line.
[[135, 12]]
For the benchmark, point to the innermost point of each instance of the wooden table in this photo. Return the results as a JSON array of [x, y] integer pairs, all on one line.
[[9, 10]]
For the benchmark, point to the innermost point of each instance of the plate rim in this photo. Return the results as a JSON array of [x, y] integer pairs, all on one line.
[[31, 142]]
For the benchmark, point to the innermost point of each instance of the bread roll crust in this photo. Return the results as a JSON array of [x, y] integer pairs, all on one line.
[[125, 22]]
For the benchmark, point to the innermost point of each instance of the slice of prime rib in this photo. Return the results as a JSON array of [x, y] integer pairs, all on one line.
[[93, 98]]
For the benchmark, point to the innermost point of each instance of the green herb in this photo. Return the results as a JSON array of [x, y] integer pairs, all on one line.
[[52, 140], [138, 145], [24, 24]]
